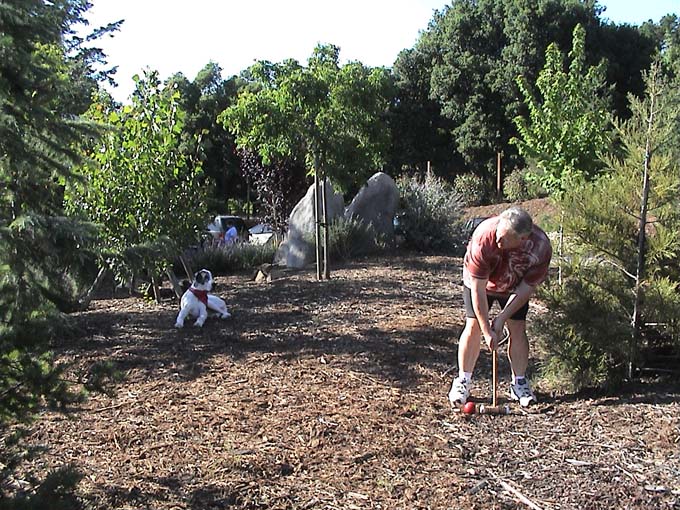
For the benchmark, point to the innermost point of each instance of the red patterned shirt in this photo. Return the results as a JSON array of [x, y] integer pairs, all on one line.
[[505, 269]]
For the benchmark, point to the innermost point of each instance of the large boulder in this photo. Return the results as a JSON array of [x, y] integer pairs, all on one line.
[[376, 204], [294, 251]]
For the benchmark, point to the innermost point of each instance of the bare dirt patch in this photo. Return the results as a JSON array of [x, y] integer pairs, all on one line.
[[332, 395]]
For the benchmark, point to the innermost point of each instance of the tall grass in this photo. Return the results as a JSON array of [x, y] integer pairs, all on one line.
[[227, 259]]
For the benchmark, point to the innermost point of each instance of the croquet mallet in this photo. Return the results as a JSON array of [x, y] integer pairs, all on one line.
[[494, 408]]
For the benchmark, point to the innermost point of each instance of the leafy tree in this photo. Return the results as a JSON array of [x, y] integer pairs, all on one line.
[[472, 53], [205, 138], [277, 186], [138, 185], [478, 49], [569, 123], [330, 116], [419, 133], [666, 35], [325, 111], [622, 231]]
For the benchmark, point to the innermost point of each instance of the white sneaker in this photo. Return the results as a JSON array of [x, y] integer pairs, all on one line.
[[459, 392], [522, 392]]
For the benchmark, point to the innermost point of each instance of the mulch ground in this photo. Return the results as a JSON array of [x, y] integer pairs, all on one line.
[[332, 395]]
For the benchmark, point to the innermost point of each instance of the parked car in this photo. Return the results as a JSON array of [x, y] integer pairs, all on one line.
[[260, 233], [222, 222]]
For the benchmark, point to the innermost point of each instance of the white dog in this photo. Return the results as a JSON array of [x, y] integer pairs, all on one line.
[[196, 301]]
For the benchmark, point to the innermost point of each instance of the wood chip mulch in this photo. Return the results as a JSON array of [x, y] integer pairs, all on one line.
[[332, 395]]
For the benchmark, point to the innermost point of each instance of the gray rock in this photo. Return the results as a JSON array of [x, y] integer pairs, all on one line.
[[376, 204], [294, 251]]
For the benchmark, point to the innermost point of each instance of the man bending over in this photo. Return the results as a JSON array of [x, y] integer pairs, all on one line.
[[506, 258]]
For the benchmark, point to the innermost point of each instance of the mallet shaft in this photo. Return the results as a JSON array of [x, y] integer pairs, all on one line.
[[494, 382]]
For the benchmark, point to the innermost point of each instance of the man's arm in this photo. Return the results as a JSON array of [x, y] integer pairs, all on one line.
[[516, 301], [481, 308]]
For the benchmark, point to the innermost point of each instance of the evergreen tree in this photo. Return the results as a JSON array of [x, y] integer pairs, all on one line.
[[622, 238], [43, 77]]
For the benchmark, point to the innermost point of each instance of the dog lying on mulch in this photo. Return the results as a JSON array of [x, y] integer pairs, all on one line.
[[197, 301]]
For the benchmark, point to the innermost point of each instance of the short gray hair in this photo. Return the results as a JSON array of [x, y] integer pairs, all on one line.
[[519, 220]]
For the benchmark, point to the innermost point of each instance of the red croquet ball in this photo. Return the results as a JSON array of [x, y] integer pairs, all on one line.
[[469, 408]]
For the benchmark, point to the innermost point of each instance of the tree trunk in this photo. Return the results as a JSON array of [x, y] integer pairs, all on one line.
[[187, 268], [85, 300], [156, 288], [640, 271], [560, 250], [176, 287]]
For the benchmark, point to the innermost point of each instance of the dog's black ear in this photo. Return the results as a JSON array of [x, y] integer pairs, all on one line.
[[185, 285], [199, 277]]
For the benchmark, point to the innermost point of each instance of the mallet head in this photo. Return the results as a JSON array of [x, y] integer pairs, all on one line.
[[493, 409]]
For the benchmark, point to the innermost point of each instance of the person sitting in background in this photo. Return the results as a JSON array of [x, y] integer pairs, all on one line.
[[231, 235]]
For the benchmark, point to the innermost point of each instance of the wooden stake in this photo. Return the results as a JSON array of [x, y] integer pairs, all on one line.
[[324, 215], [499, 181], [317, 227]]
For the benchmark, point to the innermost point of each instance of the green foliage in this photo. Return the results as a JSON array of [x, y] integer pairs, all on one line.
[[138, 185], [569, 125], [471, 188], [350, 238], [431, 214], [203, 137], [458, 84], [56, 492], [419, 132], [477, 50], [228, 259], [583, 336], [46, 77], [518, 188], [327, 115], [601, 225]]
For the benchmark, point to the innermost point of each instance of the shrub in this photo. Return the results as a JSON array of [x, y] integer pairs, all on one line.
[[431, 216], [349, 238], [581, 337], [225, 259], [471, 188], [519, 186]]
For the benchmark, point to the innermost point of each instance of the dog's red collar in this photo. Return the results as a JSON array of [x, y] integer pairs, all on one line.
[[201, 295]]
